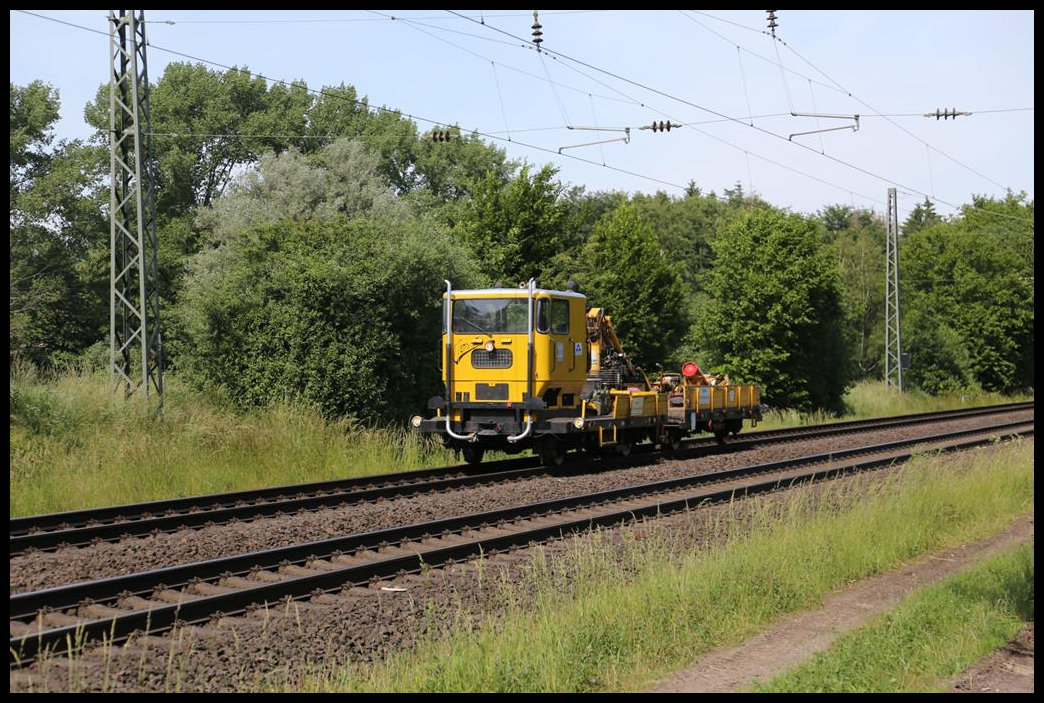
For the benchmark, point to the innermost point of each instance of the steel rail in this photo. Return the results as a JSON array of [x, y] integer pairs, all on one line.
[[83, 527], [230, 601]]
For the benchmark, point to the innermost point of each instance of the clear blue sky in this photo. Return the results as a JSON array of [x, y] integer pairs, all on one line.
[[615, 69]]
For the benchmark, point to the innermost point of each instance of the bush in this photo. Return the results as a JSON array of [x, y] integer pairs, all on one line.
[[340, 315]]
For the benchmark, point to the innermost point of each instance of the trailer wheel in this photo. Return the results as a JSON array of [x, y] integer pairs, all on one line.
[[473, 454], [625, 445]]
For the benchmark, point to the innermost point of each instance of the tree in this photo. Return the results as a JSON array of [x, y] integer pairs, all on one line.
[[775, 317], [341, 180], [627, 273], [940, 363], [923, 215], [317, 285], [857, 240], [685, 227], [207, 124], [341, 315], [974, 276], [57, 302], [517, 226]]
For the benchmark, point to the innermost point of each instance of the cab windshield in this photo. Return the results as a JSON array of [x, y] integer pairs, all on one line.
[[490, 315]]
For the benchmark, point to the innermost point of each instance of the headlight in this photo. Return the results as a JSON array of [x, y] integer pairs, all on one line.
[[489, 346], [416, 420], [578, 423]]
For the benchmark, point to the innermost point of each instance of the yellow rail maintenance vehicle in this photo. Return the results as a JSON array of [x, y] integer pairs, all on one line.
[[530, 368]]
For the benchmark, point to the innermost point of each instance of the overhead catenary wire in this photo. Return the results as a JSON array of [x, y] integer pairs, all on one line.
[[631, 99], [436, 123], [500, 97], [832, 87], [413, 20], [338, 20], [534, 146], [420, 27], [690, 103], [931, 179], [892, 122], [744, 49], [743, 78]]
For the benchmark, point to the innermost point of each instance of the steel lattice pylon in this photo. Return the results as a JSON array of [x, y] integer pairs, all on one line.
[[135, 343], [893, 340]]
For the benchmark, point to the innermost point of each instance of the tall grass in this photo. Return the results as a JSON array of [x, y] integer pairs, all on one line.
[[74, 445], [617, 623], [869, 399]]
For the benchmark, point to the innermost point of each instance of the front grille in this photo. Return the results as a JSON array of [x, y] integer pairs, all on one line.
[[496, 359]]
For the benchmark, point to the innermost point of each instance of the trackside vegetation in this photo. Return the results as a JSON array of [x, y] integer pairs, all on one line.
[[932, 636], [624, 617], [307, 266], [69, 430]]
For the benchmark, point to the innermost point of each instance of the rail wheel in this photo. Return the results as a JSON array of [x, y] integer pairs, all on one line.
[[674, 440], [473, 454], [552, 453]]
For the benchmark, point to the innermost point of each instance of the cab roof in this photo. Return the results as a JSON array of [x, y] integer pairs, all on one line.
[[513, 293]]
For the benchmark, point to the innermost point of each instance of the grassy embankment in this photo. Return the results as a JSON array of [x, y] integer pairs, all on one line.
[[619, 621], [873, 399], [930, 638], [73, 446]]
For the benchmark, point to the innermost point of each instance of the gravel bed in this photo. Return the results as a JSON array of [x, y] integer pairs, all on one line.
[[40, 570], [277, 647]]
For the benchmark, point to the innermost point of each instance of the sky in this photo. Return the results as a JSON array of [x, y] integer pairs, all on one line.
[[744, 100]]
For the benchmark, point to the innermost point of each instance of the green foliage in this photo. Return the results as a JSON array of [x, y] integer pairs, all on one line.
[[34, 110], [56, 301], [931, 637], [857, 238], [627, 273], [972, 280], [337, 314], [776, 317], [70, 430], [685, 227], [517, 226], [942, 364], [341, 180], [923, 215]]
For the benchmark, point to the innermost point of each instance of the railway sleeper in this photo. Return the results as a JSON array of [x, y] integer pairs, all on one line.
[[137, 603], [96, 610], [239, 583], [169, 595]]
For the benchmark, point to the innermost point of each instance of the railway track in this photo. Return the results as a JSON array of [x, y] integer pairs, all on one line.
[[84, 527], [112, 609]]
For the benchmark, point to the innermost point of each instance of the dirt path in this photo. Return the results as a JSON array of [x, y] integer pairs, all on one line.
[[795, 639], [1008, 670]]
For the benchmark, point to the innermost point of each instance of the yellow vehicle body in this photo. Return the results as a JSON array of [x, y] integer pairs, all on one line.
[[535, 368], [492, 365]]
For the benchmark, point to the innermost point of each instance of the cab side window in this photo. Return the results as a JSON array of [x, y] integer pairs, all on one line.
[[541, 315], [560, 316]]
